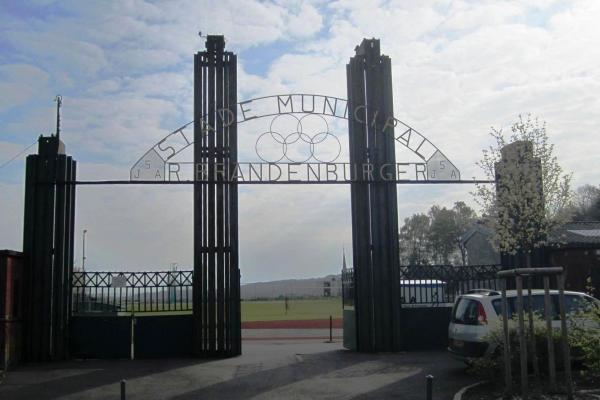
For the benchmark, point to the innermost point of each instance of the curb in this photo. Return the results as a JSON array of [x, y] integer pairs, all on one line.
[[461, 392]]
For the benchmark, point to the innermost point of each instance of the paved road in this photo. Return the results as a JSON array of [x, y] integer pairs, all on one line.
[[284, 369]]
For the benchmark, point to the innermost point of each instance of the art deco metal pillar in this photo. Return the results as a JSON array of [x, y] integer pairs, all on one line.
[[374, 206], [48, 238], [217, 324]]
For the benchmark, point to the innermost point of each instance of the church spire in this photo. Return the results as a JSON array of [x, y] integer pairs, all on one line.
[[343, 258]]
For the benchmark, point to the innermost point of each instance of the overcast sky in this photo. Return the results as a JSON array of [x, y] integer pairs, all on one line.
[[124, 69]]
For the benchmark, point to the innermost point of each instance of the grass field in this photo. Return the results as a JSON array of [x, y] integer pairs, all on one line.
[[274, 310]]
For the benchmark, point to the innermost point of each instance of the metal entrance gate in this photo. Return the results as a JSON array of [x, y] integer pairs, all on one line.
[[214, 315], [132, 314]]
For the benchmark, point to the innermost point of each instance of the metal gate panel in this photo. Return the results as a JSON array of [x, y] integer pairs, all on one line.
[[163, 336], [100, 337]]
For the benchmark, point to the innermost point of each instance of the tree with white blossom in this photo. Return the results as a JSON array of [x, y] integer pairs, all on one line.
[[532, 192]]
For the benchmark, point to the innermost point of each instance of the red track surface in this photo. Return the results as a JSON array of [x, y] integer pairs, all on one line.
[[296, 324]]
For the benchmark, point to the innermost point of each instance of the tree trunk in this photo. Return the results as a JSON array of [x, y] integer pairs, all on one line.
[[463, 253]]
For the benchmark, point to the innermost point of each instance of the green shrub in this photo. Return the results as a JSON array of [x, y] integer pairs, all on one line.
[[583, 336], [493, 367]]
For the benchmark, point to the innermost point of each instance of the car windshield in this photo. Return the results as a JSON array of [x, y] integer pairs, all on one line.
[[573, 304]]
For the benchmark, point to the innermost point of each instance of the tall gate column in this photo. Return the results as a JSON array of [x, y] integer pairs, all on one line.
[[374, 204], [48, 237], [216, 286]]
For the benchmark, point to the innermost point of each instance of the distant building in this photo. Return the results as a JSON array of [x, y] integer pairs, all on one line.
[[577, 248], [477, 242]]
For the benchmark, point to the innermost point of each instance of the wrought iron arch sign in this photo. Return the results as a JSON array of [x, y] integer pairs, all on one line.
[[155, 164]]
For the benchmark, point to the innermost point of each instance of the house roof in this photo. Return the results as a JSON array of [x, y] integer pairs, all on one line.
[[478, 227], [577, 233], [584, 233]]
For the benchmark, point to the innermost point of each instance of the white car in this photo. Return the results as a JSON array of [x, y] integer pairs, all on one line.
[[475, 312]]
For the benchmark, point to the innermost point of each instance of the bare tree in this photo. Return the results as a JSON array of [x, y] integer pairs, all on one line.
[[586, 206]]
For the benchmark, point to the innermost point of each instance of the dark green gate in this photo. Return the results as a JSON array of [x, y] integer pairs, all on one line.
[[131, 314], [100, 336]]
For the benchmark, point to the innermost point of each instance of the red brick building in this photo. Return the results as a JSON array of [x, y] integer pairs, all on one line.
[[11, 307]]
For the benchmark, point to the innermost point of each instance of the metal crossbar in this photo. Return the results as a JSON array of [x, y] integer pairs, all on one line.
[[131, 292], [275, 182]]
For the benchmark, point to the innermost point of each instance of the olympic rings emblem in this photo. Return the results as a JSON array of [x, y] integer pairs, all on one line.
[[298, 146]]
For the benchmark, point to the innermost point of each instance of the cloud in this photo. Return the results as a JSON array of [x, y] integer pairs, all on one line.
[[305, 23], [83, 58], [125, 69], [19, 83]]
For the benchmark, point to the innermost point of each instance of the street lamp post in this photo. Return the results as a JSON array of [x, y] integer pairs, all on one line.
[[83, 252], [85, 304]]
